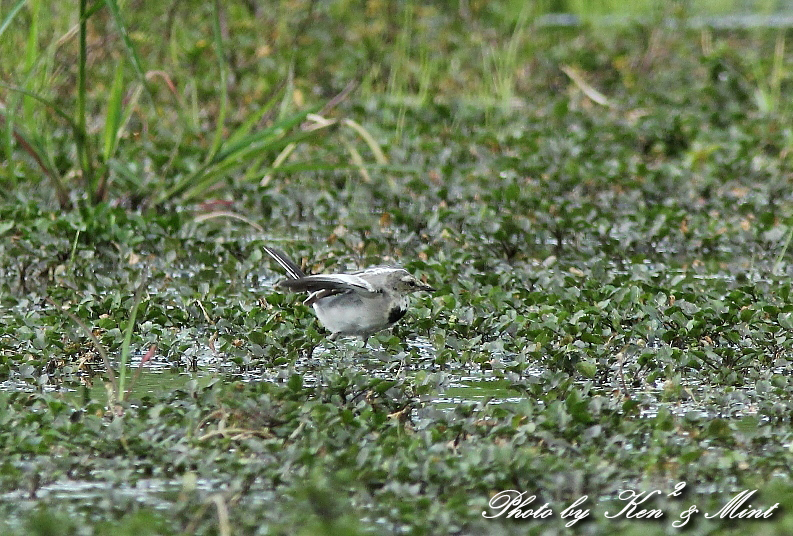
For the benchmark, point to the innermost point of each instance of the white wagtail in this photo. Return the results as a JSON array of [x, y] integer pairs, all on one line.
[[358, 303]]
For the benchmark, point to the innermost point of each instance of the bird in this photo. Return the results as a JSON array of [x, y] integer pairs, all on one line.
[[353, 304]]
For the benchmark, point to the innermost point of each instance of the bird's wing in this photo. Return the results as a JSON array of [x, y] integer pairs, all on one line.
[[292, 269], [336, 283], [316, 296]]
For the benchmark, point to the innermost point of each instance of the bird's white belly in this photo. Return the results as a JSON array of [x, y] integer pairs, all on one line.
[[351, 314]]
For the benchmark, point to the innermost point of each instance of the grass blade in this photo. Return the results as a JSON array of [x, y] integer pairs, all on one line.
[[357, 160], [274, 130], [40, 156], [32, 56], [221, 119], [112, 5], [198, 184], [280, 159], [272, 138], [781, 256], [245, 128], [113, 114], [99, 348], [146, 358], [60, 112], [122, 374], [11, 14], [378, 153], [83, 146]]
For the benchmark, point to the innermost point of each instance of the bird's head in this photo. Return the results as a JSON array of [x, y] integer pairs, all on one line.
[[405, 282]]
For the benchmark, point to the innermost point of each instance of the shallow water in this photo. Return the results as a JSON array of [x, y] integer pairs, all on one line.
[[457, 384]]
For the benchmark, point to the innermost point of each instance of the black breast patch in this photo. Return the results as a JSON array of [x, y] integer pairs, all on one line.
[[395, 314]]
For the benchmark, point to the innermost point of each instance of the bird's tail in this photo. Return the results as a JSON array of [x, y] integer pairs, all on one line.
[[293, 271]]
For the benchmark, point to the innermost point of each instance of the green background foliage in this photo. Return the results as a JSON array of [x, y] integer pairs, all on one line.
[[603, 204]]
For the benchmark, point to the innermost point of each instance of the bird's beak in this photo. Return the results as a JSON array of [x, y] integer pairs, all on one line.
[[426, 287]]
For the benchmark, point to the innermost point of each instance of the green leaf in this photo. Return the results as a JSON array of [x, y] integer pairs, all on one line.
[[785, 320], [587, 369], [295, 382]]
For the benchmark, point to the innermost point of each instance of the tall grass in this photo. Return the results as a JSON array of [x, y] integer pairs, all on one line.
[[22, 126], [208, 127], [246, 151], [505, 62]]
